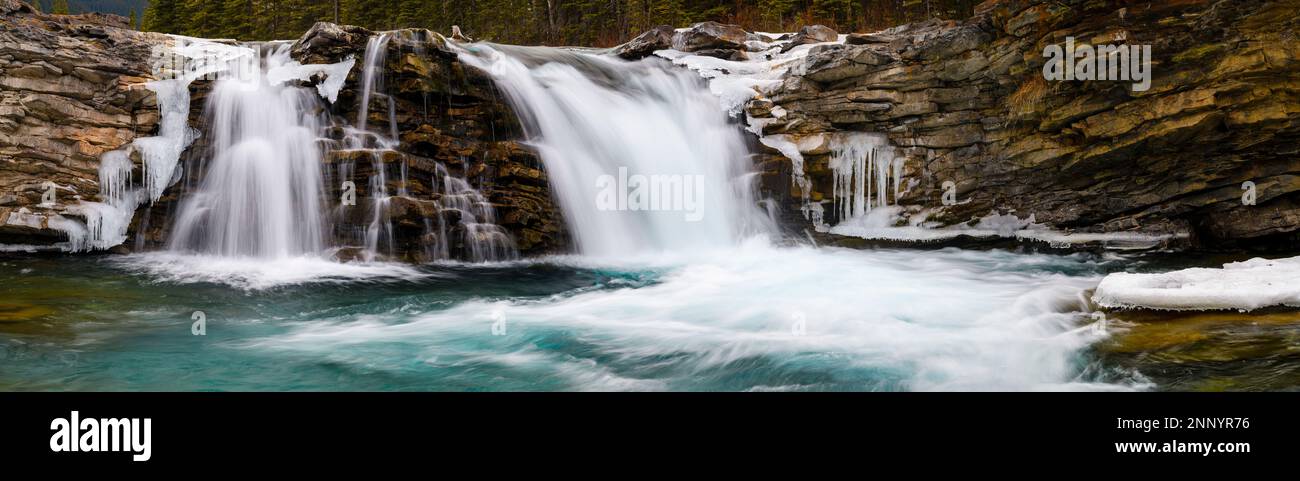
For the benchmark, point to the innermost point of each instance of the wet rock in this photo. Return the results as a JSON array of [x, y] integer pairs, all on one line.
[[867, 39], [724, 54], [710, 36], [328, 40], [451, 120], [809, 34], [658, 38], [966, 102]]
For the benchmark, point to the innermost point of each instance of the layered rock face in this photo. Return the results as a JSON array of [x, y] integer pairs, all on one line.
[[447, 114], [71, 89], [450, 121], [968, 103], [965, 104]]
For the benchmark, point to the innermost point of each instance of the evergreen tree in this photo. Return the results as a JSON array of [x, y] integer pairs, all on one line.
[[772, 14], [202, 18], [60, 7], [550, 22], [160, 16], [238, 19], [838, 13]]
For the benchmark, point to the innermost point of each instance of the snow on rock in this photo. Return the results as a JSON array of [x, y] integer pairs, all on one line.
[[1243, 286], [180, 63], [334, 74], [883, 223], [738, 81], [889, 224]]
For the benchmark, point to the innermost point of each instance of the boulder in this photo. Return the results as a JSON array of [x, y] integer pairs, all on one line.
[[811, 34], [72, 87], [867, 38], [710, 36], [644, 45]]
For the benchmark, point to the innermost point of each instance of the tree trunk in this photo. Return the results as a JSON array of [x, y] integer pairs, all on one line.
[[550, 19]]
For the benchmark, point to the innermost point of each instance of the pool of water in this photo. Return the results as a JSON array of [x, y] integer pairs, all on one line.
[[755, 317]]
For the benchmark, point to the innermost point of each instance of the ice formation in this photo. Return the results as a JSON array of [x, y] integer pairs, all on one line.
[[1245, 286], [889, 224], [335, 75], [864, 164], [735, 82], [178, 65]]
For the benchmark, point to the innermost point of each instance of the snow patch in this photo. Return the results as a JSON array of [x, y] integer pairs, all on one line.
[[334, 74], [889, 224], [182, 62], [1244, 286]]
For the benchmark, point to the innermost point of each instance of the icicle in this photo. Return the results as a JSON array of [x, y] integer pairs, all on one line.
[[863, 165]]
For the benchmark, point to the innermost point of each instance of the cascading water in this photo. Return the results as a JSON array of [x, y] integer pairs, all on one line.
[[482, 239], [262, 192], [485, 240], [715, 313], [601, 125]]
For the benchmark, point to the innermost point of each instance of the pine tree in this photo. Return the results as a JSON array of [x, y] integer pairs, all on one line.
[[134, 23], [60, 7], [772, 14], [202, 18], [237, 19], [160, 16], [550, 22]]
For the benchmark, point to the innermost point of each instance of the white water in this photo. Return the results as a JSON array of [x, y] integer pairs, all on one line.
[[589, 115], [726, 309], [755, 317], [261, 194], [106, 222], [479, 235]]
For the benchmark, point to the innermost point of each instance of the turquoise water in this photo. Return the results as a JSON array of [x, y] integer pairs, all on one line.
[[753, 318]]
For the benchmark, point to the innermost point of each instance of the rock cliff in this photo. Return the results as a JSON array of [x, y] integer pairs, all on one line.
[[968, 103], [71, 89], [965, 105], [446, 114]]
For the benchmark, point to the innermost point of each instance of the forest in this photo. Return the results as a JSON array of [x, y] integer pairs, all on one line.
[[596, 23]]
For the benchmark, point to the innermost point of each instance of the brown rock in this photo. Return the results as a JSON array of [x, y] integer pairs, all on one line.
[[644, 45], [809, 34], [710, 36]]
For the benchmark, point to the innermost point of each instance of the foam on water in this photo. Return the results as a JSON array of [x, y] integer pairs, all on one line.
[[253, 273], [261, 194], [591, 116], [824, 319]]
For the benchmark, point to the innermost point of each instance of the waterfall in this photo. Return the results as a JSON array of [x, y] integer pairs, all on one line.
[[463, 211], [603, 124], [484, 240], [107, 222], [261, 195]]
